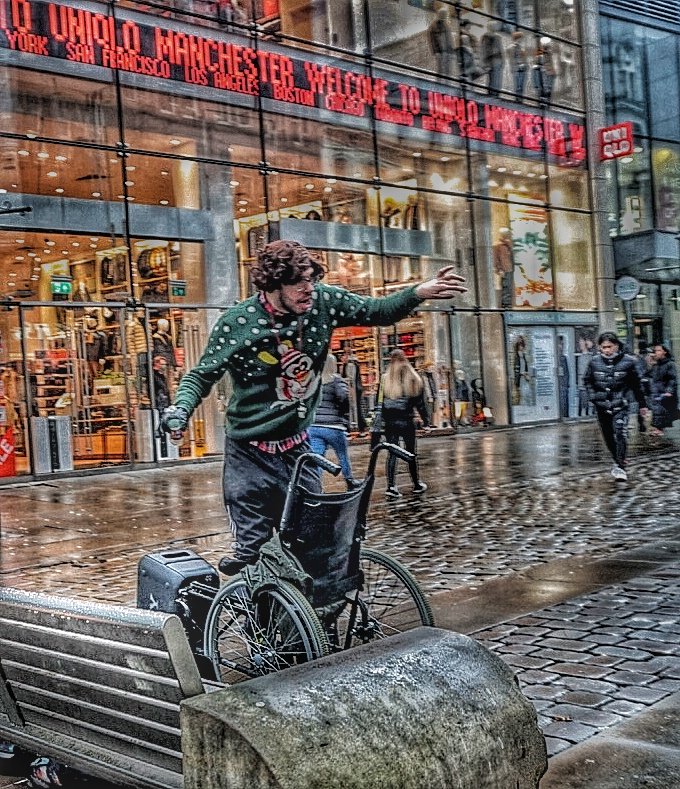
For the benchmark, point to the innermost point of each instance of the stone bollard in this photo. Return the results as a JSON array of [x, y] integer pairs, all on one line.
[[426, 709]]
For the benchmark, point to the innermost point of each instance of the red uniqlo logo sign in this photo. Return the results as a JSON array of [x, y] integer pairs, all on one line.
[[616, 141]]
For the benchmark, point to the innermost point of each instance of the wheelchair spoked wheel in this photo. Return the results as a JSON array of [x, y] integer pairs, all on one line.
[[246, 638], [391, 602]]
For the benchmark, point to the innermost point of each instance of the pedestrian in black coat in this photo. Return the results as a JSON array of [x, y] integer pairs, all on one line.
[[664, 390], [611, 378]]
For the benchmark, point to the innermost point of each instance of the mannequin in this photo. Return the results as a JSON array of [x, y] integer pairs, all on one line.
[[461, 396], [138, 349], [492, 58], [351, 372], [431, 391], [503, 265], [95, 347], [441, 42], [163, 348], [519, 64]]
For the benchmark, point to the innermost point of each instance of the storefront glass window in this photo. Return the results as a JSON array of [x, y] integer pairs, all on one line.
[[626, 98], [572, 261], [635, 191], [58, 107], [14, 435], [568, 187], [666, 177], [559, 18], [663, 77], [69, 173], [303, 145]]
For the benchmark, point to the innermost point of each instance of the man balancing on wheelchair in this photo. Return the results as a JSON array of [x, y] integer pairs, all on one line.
[[274, 345]]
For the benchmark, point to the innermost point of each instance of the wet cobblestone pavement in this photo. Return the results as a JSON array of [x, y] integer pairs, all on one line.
[[522, 540]]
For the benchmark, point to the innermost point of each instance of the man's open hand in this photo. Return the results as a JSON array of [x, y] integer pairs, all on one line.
[[445, 285]]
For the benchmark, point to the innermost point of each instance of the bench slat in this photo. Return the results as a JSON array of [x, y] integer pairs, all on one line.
[[157, 681], [115, 722], [94, 693]]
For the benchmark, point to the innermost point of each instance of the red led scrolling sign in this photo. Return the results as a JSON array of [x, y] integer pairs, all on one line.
[[98, 39], [616, 141]]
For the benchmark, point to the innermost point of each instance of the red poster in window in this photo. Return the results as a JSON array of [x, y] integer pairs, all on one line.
[[7, 455], [270, 8]]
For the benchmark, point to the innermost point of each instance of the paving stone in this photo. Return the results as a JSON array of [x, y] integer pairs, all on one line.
[[588, 716], [584, 699], [622, 652], [525, 661], [644, 695], [547, 692], [571, 731], [559, 655], [623, 707], [565, 643], [554, 745], [581, 670], [630, 678]]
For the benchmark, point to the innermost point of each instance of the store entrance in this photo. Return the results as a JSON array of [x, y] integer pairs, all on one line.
[[545, 372]]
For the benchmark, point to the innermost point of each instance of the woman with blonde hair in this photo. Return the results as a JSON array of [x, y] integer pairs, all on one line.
[[331, 421], [401, 391]]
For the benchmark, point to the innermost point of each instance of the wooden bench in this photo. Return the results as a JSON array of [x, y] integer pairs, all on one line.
[[95, 686]]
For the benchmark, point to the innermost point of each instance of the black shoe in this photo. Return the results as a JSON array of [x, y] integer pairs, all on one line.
[[353, 484], [230, 566], [420, 487]]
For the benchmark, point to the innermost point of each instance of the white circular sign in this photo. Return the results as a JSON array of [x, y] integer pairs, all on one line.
[[627, 288]]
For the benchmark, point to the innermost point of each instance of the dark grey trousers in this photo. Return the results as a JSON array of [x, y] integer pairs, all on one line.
[[254, 485]]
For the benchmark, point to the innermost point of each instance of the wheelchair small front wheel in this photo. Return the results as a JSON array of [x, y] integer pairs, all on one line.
[[390, 602], [246, 637]]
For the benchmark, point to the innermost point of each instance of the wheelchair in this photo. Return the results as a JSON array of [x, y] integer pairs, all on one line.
[[315, 588]]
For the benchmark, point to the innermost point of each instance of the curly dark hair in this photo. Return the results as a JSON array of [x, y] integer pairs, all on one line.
[[284, 263]]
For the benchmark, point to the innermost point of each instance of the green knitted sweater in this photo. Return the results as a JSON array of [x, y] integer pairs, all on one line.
[[275, 363]]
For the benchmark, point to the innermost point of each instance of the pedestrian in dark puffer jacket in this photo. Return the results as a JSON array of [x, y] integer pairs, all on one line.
[[401, 393], [611, 377], [664, 386], [331, 420]]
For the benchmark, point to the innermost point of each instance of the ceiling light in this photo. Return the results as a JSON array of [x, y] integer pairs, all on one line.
[[50, 243], [130, 168], [121, 197], [51, 174], [444, 158], [46, 251], [175, 141], [234, 183], [19, 240], [93, 246], [331, 180], [328, 189], [31, 254], [416, 154], [129, 198], [31, 134], [19, 257], [37, 260], [64, 251], [626, 159], [163, 202], [309, 187], [59, 190], [164, 172], [493, 183], [34, 276], [12, 274], [502, 169], [36, 268], [543, 176], [531, 175], [43, 155], [23, 152], [242, 210], [517, 172], [96, 194], [60, 158], [284, 199], [243, 202], [129, 183], [3, 191], [75, 243]]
